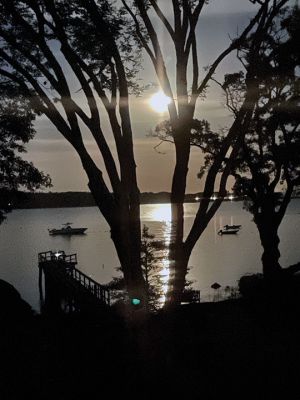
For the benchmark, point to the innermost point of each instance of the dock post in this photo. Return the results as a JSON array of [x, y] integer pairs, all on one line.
[[52, 303], [41, 292]]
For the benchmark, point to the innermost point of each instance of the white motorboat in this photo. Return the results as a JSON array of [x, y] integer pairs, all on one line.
[[67, 230], [232, 226], [230, 230]]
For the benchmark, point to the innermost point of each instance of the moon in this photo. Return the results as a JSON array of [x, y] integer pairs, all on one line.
[[159, 102]]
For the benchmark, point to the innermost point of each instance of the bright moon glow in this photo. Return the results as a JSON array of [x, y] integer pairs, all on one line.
[[162, 212], [159, 102]]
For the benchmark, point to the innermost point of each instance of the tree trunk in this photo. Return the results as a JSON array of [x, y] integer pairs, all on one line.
[[268, 232], [182, 149], [178, 258], [178, 271], [129, 256], [123, 217]]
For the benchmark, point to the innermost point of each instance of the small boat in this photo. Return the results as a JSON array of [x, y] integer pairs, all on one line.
[[229, 230], [67, 230], [232, 226]]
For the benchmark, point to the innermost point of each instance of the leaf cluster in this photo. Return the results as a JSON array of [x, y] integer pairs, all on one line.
[[16, 129], [28, 27], [201, 136], [270, 155]]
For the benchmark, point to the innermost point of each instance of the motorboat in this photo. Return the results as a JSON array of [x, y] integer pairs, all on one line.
[[229, 230], [67, 230], [232, 226]]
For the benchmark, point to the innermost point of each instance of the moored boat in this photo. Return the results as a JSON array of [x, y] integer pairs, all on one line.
[[67, 230], [229, 230], [232, 226]]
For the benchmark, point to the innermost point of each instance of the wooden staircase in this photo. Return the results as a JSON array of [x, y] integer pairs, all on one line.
[[64, 288]]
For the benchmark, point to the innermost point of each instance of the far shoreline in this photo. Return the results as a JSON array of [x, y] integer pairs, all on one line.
[[85, 199]]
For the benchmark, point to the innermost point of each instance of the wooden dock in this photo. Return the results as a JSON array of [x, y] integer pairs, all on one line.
[[64, 288]]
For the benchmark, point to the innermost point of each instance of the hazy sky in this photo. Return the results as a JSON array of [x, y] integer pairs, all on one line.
[[221, 20]]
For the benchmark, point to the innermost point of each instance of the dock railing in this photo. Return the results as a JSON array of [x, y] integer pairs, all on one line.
[[98, 290], [67, 263], [57, 256]]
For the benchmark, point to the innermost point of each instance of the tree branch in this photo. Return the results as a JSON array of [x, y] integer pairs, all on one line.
[[163, 18], [139, 33], [177, 17], [159, 65], [94, 122], [193, 19], [234, 45]]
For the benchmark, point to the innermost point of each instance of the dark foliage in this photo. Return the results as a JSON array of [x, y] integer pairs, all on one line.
[[153, 254], [16, 129], [58, 52], [267, 169], [96, 42]]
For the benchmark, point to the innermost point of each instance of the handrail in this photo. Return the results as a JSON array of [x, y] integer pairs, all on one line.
[[99, 291], [58, 256]]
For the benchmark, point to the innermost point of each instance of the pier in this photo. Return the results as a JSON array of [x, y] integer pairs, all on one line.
[[64, 288]]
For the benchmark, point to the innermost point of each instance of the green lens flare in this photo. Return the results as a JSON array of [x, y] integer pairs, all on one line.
[[135, 302]]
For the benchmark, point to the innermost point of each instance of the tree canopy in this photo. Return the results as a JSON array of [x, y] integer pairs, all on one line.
[[16, 129], [268, 166], [182, 128], [98, 42]]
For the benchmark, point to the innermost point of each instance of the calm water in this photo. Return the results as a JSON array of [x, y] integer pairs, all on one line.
[[222, 259]]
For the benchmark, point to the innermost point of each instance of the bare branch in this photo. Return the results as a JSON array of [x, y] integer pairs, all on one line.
[[234, 45], [195, 66], [193, 19], [160, 63], [139, 33], [163, 18], [177, 16]]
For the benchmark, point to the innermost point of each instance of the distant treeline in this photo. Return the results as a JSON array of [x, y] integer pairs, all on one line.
[[84, 199]]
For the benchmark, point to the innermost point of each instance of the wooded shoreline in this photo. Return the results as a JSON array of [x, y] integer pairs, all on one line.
[[85, 199]]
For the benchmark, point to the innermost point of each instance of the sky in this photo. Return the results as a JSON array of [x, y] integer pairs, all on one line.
[[221, 20]]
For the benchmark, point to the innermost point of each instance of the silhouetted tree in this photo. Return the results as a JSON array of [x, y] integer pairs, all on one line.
[[43, 42], [268, 159], [43, 39], [268, 165], [153, 254], [16, 129], [182, 125]]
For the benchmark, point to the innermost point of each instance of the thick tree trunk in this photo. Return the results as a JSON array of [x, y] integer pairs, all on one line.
[[123, 217], [178, 271], [178, 258], [268, 232], [182, 149], [125, 241]]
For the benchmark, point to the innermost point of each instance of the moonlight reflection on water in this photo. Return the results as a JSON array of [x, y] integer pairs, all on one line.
[[215, 258], [163, 214]]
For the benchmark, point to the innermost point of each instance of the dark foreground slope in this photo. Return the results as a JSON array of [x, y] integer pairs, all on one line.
[[232, 349]]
